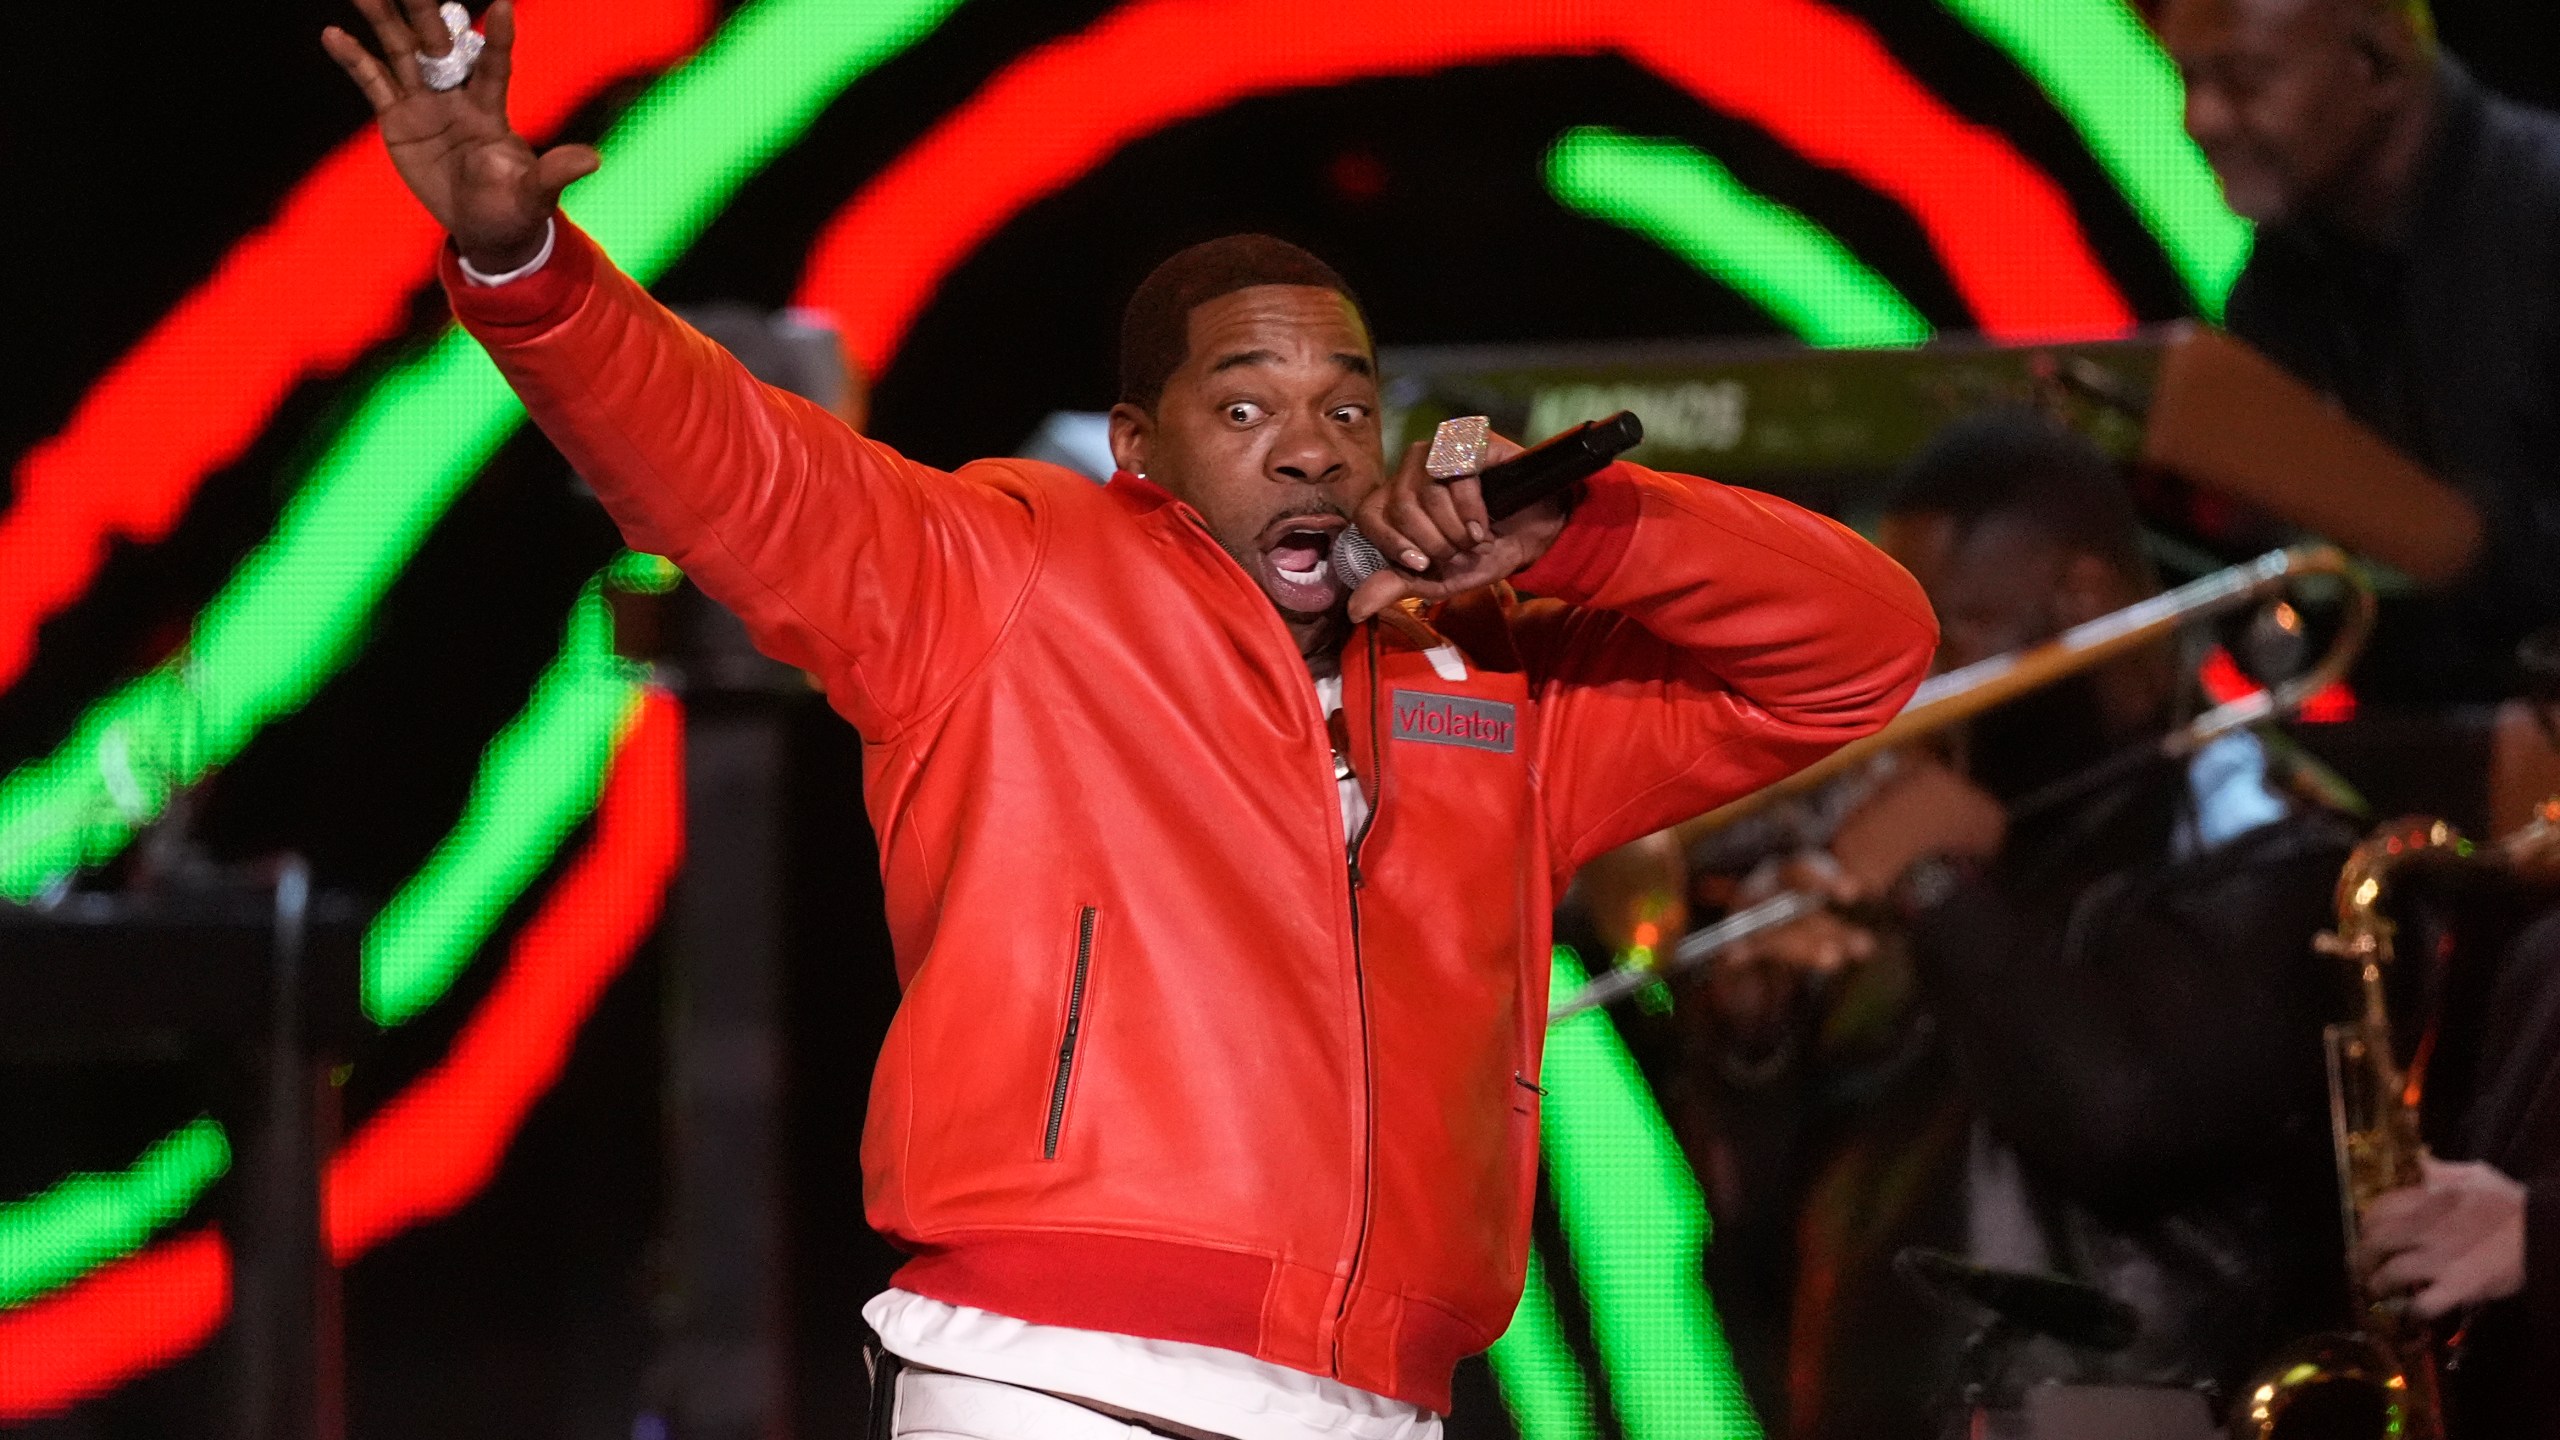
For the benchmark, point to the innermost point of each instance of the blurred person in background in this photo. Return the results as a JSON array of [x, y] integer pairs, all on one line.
[[2091, 1046], [2408, 264], [2477, 1242], [1219, 891]]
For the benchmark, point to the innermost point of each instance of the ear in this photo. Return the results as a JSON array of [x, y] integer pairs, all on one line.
[[1132, 436], [2089, 588], [2390, 44]]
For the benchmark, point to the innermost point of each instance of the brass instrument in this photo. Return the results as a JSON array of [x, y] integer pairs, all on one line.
[[1947, 700], [2373, 1125]]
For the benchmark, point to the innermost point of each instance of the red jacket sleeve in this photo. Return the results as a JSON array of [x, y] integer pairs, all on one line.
[[1711, 641], [886, 578]]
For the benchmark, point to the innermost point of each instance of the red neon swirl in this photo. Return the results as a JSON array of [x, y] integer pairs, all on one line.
[[326, 279], [134, 1315], [1811, 76], [437, 1143]]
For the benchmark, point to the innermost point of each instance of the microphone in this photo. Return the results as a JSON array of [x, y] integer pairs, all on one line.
[[1553, 467], [2078, 1315]]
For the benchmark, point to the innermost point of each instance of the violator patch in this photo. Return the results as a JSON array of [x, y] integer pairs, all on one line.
[[1455, 720]]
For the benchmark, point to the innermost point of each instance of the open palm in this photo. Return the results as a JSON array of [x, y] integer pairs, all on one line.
[[454, 148]]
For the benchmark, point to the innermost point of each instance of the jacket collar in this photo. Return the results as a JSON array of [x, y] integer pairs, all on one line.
[[1138, 493]]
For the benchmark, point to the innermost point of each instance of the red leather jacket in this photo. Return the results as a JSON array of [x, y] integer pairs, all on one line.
[[1169, 1062]]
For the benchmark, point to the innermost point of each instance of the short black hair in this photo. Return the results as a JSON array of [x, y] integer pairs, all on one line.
[[1155, 331], [2020, 463]]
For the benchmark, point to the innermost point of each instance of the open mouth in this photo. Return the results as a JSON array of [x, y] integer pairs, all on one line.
[[1299, 556]]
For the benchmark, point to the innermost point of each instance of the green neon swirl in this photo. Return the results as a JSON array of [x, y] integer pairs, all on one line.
[[1682, 200], [2101, 67], [294, 612], [537, 780], [1541, 1380], [1638, 1226], [50, 1239]]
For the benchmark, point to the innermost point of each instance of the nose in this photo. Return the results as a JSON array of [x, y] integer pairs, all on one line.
[[1308, 451]]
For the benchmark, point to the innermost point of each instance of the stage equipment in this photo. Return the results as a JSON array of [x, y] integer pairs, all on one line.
[[261, 986], [1550, 468], [2373, 1120], [1950, 699], [1826, 428]]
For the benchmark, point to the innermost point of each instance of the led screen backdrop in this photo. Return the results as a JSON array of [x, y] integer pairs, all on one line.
[[276, 537]]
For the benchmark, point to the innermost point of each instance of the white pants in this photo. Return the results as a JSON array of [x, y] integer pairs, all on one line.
[[936, 1406]]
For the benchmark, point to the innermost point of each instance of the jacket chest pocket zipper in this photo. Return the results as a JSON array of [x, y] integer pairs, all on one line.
[[1067, 1042]]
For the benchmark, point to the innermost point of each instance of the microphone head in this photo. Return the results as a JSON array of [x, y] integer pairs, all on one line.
[[1355, 559]]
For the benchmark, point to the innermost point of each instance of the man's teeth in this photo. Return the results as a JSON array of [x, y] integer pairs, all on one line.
[[1309, 576]]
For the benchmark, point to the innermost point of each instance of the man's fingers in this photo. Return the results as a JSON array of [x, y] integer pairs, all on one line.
[[1466, 495], [1442, 507], [497, 60], [1377, 593], [1380, 527], [2405, 1271], [376, 83], [428, 26], [1421, 532], [399, 47], [563, 164], [2439, 1300], [2402, 1218]]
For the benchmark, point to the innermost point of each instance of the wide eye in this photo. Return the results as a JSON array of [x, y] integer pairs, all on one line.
[[1350, 414], [1241, 413]]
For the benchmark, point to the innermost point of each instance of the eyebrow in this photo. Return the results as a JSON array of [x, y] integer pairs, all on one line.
[[1350, 362]]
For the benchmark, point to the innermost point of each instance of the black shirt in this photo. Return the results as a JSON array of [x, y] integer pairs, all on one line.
[[2448, 343]]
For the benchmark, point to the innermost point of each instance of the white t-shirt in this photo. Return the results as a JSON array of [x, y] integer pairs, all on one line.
[[1200, 1386]]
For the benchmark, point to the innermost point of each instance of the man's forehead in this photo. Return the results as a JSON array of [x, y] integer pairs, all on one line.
[[1279, 318], [2187, 24]]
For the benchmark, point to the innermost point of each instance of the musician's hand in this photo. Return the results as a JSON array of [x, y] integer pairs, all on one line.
[[1437, 537], [1926, 811], [454, 148], [1817, 944], [2455, 1238]]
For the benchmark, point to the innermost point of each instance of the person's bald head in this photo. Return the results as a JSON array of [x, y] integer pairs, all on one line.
[[2298, 103]]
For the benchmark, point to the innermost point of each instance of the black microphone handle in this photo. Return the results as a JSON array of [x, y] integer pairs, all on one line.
[[1557, 464], [1549, 469]]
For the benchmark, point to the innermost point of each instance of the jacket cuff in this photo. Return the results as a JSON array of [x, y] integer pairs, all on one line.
[[522, 309], [1593, 541]]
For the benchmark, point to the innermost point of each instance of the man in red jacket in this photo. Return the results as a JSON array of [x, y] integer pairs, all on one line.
[[1220, 898]]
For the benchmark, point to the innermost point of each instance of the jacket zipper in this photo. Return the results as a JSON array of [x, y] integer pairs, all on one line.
[[1359, 981], [1067, 1045], [1360, 992]]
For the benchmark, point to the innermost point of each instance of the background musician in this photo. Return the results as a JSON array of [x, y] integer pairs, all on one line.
[[2481, 1232], [2107, 1064], [2407, 263]]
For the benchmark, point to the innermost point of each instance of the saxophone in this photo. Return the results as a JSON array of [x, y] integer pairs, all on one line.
[[2384, 1370]]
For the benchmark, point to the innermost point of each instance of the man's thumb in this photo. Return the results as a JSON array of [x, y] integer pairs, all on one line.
[[564, 164], [1377, 593]]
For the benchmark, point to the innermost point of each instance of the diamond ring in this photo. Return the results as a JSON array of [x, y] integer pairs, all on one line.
[[449, 70]]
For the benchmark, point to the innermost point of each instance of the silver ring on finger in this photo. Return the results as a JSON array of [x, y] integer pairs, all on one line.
[[449, 70], [1457, 448]]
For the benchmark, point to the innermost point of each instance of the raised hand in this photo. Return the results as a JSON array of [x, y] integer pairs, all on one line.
[[454, 148], [1439, 533]]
